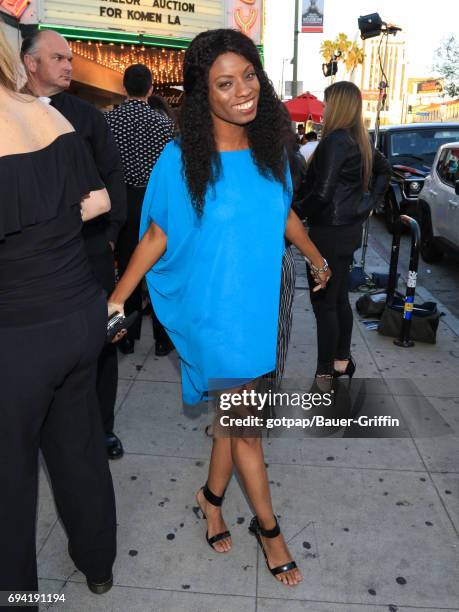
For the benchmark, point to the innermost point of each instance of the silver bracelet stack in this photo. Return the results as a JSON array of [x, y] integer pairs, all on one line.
[[315, 270]]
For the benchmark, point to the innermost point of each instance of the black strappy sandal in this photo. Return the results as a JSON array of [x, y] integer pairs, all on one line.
[[257, 530], [215, 501]]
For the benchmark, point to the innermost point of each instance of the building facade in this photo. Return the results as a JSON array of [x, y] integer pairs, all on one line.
[[428, 101], [396, 76], [106, 36]]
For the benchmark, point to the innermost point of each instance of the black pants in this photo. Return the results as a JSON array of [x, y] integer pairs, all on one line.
[[48, 377], [159, 333], [103, 267], [127, 242], [331, 305]]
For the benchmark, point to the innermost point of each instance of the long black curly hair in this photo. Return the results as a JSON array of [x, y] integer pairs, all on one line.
[[270, 136]]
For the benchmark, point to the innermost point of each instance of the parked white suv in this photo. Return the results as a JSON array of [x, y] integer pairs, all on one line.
[[438, 202]]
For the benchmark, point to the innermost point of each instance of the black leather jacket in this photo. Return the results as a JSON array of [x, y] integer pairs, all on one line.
[[298, 174], [333, 186]]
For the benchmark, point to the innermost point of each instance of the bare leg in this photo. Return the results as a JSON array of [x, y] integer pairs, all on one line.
[[249, 461], [341, 365], [220, 471]]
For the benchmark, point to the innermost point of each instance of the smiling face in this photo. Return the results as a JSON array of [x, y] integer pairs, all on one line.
[[234, 90]]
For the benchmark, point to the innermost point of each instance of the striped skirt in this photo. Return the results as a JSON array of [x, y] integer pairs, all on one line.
[[284, 326]]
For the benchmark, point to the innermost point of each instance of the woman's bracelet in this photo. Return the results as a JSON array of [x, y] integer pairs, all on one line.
[[315, 269]]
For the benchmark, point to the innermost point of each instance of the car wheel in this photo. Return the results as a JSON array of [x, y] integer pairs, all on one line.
[[430, 249]]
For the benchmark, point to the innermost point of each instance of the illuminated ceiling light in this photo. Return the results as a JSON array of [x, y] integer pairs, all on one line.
[[166, 67]]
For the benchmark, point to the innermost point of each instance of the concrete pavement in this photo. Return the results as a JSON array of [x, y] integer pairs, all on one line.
[[373, 523]]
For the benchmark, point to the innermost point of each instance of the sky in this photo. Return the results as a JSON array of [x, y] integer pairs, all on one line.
[[423, 27]]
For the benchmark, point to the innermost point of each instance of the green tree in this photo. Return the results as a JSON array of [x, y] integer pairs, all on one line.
[[447, 64]]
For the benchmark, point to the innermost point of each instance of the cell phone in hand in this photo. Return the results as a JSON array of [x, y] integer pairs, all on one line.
[[117, 321]]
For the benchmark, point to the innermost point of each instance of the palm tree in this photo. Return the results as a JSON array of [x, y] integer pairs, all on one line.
[[343, 50], [342, 44], [353, 58], [328, 49]]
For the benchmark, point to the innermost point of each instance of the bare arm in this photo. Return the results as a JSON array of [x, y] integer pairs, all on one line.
[[94, 204], [297, 235], [147, 253]]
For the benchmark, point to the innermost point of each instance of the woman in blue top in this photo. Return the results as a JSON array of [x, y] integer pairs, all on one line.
[[215, 215]]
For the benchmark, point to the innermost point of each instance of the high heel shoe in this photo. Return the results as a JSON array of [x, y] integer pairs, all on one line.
[[257, 530], [217, 501], [324, 383], [349, 371]]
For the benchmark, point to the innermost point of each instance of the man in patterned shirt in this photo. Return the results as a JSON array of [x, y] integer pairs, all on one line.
[[141, 134]]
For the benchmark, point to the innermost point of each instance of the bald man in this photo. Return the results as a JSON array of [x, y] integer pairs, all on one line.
[[47, 58]]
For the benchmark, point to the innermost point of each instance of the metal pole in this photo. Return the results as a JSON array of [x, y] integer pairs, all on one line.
[[382, 90], [404, 339], [281, 93], [395, 251], [295, 51]]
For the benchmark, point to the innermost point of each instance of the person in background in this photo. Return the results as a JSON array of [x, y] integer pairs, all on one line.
[[342, 170], [141, 134], [53, 317], [48, 62], [300, 133], [214, 219], [164, 346], [160, 105], [310, 145]]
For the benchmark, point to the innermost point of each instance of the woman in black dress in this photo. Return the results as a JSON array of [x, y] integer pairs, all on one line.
[[53, 325], [339, 175]]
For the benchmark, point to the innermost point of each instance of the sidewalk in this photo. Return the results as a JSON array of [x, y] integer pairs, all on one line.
[[372, 523]]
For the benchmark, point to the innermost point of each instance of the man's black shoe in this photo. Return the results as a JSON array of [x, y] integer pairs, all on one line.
[[99, 588], [163, 348], [114, 447], [126, 345]]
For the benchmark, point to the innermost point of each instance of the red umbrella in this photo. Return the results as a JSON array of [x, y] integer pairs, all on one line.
[[305, 107]]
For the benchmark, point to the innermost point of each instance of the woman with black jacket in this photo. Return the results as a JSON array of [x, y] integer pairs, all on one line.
[[342, 170]]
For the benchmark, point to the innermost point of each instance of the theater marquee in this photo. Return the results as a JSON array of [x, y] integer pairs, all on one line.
[[159, 18]]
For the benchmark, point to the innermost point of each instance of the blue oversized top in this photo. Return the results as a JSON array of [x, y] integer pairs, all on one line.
[[216, 288]]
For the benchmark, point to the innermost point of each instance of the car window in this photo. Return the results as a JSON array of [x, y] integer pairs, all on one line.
[[448, 166], [441, 163], [420, 144]]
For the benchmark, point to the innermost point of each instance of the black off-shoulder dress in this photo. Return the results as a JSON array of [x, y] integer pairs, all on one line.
[[53, 318], [44, 271]]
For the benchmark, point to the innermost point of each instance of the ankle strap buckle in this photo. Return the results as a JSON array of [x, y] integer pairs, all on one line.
[[266, 533], [213, 499]]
